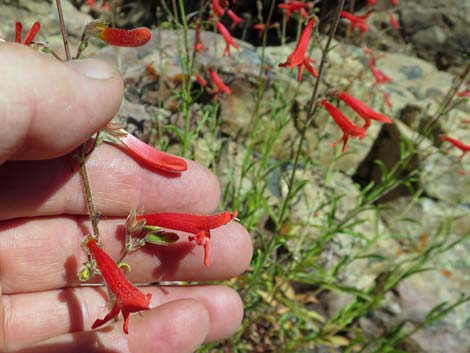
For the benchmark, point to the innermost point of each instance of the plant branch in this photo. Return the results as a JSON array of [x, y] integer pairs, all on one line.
[[311, 112], [63, 30], [93, 215], [311, 109], [83, 152]]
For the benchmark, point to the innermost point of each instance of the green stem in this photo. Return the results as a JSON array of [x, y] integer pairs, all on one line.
[[310, 115]]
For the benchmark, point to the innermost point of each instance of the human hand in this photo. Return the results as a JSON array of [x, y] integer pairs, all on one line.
[[47, 109]]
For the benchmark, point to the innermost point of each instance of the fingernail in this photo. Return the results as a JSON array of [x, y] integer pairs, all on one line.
[[94, 68]]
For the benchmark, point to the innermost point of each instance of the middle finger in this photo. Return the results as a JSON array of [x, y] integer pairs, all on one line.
[[44, 253]]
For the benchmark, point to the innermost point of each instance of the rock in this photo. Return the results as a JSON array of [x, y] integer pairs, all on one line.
[[428, 24]]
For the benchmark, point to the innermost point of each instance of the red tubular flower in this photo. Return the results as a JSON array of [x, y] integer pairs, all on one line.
[[29, 36], [125, 37], [91, 3], [298, 56], [200, 79], [395, 2], [235, 18], [293, 6], [217, 8], [459, 144], [364, 111], [466, 91], [129, 299], [359, 22], [149, 156], [261, 27], [200, 226], [348, 128], [393, 21], [380, 77], [387, 100], [227, 37], [221, 86], [198, 45]]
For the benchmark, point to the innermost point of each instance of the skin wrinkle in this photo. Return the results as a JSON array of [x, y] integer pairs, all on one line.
[[7, 324]]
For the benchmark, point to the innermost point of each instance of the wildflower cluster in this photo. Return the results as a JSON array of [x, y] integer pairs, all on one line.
[[347, 127], [219, 8], [380, 77], [29, 36], [360, 21]]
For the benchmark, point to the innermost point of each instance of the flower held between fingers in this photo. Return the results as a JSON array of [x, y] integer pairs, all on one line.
[[128, 298]]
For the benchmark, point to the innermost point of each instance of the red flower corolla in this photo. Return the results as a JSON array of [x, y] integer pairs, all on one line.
[[124, 37], [371, 2], [128, 298], [364, 111], [200, 79], [217, 8], [380, 77], [395, 2], [29, 36], [298, 57], [348, 128], [235, 18], [198, 45], [465, 92], [393, 21], [293, 6], [359, 22], [104, 4], [261, 27], [221, 86], [200, 226], [149, 156], [387, 100], [459, 144], [227, 37]]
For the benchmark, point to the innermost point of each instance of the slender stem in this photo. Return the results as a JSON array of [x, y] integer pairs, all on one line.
[[82, 150], [311, 110], [254, 119], [261, 86], [187, 68], [460, 79], [94, 216], [352, 5], [63, 30], [311, 113]]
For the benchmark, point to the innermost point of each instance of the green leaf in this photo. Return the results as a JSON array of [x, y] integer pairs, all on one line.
[[161, 238]]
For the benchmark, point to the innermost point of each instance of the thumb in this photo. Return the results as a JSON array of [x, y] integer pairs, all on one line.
[[47, 107]]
